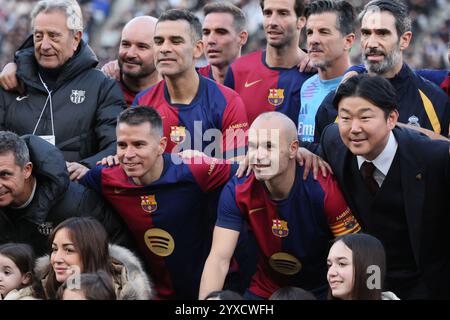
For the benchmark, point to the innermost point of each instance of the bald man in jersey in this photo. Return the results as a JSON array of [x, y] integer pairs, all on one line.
[[292, 219]]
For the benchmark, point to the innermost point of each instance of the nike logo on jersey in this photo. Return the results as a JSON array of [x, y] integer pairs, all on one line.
[[248, 85], [255, 210], [20, 98], [119, 190]]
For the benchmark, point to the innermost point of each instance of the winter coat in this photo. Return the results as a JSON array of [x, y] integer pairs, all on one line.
[[56, 199], [85, 105], [22, 294], [129, 278]]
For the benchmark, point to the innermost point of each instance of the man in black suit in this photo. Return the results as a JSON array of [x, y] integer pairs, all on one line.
[[404, 201]]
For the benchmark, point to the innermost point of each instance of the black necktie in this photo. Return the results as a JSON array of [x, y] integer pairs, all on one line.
[[367, 170]]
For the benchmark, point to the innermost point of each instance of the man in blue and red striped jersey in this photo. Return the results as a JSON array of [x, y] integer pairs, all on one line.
[[163, 201], [269, 80], [224, 34], [189, 103], [292, 219]]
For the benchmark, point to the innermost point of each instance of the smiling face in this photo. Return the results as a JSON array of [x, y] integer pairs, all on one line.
[[340, 274], [54, 43], [139, 149], [10, 276], [281, 24], [325, 42], [65, 257], [221, 39], [363, 126], [13, 179], [271, 148], [136, 48], [175, 49]]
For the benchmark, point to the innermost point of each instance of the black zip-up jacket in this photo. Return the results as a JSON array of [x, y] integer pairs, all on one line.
[[85, 105], [56, 198]]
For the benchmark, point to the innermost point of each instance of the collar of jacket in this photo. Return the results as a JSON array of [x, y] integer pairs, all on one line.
[[49, 168]]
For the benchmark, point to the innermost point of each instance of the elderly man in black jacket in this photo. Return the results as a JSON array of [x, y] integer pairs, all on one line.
[[65, 100], [36, 194]]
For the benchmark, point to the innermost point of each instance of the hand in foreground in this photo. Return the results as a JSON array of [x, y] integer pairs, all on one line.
[[309, 161], [76, 170], [109, 161]]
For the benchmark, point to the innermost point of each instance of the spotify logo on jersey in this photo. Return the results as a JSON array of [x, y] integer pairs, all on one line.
[[285, 263], [159, 242]]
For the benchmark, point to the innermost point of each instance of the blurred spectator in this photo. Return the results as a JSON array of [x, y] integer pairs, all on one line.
[[106, 18]]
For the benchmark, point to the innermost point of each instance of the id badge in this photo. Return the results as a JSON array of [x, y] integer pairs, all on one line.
[[51, 139]]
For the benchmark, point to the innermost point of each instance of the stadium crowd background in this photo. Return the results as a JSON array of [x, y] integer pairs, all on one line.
[[104, 20]]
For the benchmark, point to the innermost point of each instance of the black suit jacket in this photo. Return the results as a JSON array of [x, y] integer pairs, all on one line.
[[425, 176]]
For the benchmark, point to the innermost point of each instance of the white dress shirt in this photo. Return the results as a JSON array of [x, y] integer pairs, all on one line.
[[384, 160]]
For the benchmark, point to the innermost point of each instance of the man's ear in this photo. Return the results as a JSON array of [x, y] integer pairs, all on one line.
[[243, 37], [349, 41], [28, 169], [405, 39], [301, 22], [293, 148], [392, 119], [162, 145], [76, 40], [198, 49]]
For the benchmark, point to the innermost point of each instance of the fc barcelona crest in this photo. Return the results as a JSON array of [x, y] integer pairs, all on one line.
[[280, 228], [177, 134], [276, 96], [45, 228], [148, 203], [77, 96]]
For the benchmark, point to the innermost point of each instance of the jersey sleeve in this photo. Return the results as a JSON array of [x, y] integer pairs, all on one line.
[[234, 129], [360, 68], [228, 214], [210, 173], [93, 179], [435, 76], [339, 216]]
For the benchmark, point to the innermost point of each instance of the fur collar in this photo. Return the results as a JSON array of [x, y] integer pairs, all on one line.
[[130, 278]]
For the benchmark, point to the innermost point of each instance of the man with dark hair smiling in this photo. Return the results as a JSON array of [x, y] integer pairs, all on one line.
[[385, 35], [397, 181], [189, 103]]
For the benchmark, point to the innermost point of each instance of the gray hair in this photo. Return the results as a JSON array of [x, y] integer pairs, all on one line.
[[11, 142], [396, 7], [70, 8]]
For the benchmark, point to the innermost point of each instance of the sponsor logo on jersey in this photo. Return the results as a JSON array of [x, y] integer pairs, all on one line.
[[285, 263], [276, 96], [159, 241], [249, 84]]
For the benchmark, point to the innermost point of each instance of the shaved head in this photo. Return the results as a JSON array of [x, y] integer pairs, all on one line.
[[272, 146], [136, 58], [144, 22], [276, 120]]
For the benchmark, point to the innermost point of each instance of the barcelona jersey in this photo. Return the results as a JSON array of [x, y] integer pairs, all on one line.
[[168, 218], [266, 89], [293, 234], [206, 71], [188, 126]]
